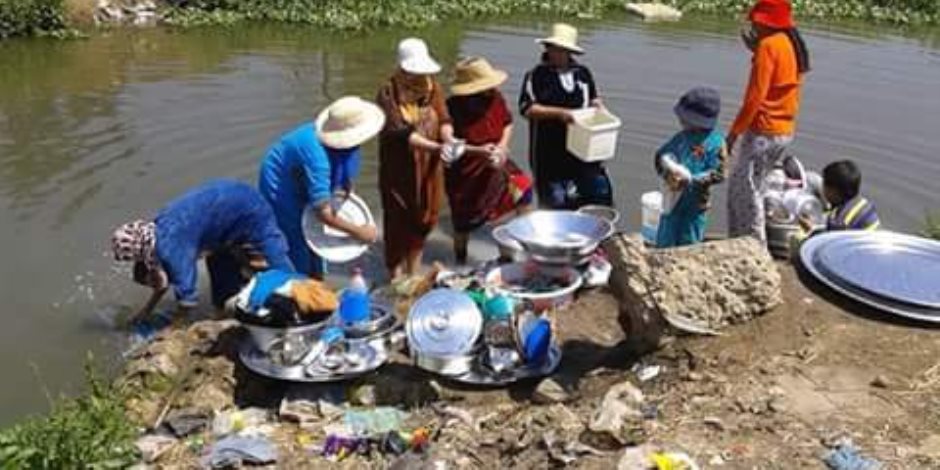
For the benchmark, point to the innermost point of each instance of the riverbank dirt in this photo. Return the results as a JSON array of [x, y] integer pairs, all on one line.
[[774, 393]]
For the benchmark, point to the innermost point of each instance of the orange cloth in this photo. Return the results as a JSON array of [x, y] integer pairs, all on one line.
[[313, 297], [772, 100]]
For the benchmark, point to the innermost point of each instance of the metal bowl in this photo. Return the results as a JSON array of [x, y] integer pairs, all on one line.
[[607, 213], [381, 319], [559, 233], [263, 337]]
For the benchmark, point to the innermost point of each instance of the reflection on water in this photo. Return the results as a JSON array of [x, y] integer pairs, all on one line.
[[98, 131]]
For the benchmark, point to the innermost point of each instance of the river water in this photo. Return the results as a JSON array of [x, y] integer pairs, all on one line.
[[98, 131]]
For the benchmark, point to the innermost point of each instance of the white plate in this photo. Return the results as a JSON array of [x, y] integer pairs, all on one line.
[[333, 245]]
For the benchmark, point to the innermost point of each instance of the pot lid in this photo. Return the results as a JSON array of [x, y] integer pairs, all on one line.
[[443, 323]]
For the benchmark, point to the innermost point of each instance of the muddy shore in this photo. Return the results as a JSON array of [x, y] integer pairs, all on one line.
[[776, 392]]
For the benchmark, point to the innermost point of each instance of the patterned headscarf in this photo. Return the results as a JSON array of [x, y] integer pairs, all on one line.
[[135, 241]]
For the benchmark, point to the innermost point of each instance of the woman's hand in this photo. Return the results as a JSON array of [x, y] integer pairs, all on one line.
[[497, 155], [730, 141], [367, 234], [675, 181]]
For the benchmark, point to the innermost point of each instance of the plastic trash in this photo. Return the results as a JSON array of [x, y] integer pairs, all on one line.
[[238, 450], [673, 461], [355, 304], [374, 421]]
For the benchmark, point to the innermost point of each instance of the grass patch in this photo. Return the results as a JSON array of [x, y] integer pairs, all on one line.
[[86, 432], [32, 18], [889, 11], [932, 225]]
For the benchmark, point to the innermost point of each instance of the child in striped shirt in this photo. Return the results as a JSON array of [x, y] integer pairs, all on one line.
[[850, 210]]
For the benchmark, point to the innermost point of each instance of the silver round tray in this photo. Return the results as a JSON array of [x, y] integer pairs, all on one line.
[[890, 265], [479, 377], [809, 253], [259, 363]]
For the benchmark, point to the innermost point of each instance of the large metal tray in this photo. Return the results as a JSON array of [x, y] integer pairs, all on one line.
[[890, 265], [809, 259], [258, 362], [480, 377]]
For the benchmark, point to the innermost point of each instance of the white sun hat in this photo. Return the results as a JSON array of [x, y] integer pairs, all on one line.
[[564, 36], [348, 122], [413, 57]]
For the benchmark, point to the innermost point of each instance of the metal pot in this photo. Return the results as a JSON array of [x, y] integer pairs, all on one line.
[[779, 239], [444, 323], [444, 365]]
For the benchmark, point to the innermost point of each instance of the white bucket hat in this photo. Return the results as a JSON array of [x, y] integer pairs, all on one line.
[[564, 36], [413, 57], [348, 122]]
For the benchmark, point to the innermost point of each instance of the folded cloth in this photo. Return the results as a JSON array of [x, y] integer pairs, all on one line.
[[238, 450], [313, 297]]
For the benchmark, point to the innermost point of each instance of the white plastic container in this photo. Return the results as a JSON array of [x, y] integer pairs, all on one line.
[[652, 203], [592, 136]]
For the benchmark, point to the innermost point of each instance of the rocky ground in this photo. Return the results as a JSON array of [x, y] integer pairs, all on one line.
[[776, 392]]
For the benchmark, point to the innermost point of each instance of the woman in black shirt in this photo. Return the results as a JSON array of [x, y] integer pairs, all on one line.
[[550, 91]]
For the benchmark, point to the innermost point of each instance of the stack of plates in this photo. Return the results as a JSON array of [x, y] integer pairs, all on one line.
[[893, 272]]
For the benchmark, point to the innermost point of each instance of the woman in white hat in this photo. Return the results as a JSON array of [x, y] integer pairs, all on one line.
[[484, 185], [311, 163], [550, 91], [415, 135]]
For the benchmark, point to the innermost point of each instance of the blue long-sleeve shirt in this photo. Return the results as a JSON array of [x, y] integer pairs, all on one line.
[[299, 171], [216, 215]]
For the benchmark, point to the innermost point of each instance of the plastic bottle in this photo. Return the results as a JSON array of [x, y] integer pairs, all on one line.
[[354, 304]]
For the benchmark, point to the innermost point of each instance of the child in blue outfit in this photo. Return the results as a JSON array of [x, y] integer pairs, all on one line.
[[690, 163]]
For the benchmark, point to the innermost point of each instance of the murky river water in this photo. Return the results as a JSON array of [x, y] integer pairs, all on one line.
[[98, 131]]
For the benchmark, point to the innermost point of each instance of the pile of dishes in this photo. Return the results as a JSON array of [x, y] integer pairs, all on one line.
[[451, 334], [322, 352], [786, 201], [892, 272]]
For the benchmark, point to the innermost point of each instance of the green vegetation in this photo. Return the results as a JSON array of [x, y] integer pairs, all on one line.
[[51, 17], [932, 225], [88, 432], [363, 14], [32, 18], [890, 11]]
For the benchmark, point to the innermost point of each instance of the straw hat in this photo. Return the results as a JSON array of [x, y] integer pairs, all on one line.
[[564, 36], [474, 75], [413, 57], [348, 122]]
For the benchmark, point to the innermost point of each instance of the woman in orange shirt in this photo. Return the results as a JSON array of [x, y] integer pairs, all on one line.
[[767, 119]]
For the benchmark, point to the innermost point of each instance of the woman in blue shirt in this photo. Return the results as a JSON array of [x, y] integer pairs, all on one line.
[[226, 221], [308, 165]]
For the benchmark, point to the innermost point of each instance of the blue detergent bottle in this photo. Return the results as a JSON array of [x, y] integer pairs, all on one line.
[[355, 304]]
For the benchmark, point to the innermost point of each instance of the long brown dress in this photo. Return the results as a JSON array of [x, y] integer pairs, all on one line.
[[411, 181]]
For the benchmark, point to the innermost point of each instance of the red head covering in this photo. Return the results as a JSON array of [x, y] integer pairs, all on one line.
[[776, 14]]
